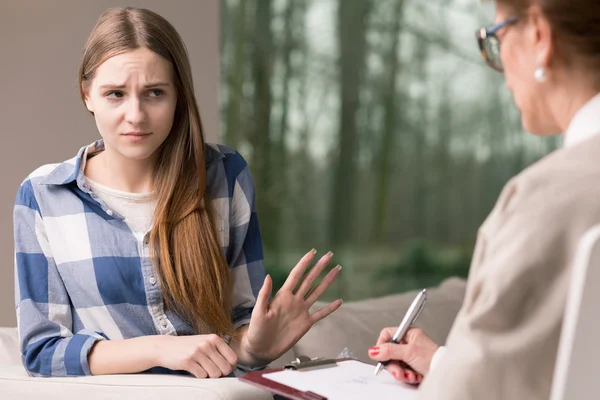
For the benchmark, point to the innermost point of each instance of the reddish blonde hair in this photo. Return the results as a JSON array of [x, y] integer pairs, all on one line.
[[186, 249]]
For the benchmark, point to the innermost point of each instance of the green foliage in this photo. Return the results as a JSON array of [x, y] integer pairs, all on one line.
[[422, 264], [382, 125], [419, 264]]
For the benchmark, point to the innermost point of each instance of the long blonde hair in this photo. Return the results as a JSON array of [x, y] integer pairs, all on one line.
[[186, 250]]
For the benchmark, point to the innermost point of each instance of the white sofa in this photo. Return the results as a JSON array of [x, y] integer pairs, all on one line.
[[356, 326]]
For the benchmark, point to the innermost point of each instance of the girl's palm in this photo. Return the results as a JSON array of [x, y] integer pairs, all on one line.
[[278, 324]]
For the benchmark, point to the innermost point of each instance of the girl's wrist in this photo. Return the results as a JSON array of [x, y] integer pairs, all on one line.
[[158, 346], [246, 355]]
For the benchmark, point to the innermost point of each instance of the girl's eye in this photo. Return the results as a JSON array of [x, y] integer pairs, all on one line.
[[114, 94], [156, 92]]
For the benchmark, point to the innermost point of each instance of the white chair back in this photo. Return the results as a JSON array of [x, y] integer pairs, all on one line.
[[577, 371]]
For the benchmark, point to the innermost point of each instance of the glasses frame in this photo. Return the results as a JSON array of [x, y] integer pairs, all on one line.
[[492, 31]]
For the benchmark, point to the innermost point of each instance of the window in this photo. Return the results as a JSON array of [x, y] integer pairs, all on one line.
[[374, 129]]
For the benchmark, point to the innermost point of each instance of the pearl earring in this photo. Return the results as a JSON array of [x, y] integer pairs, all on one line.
[[540, 74]]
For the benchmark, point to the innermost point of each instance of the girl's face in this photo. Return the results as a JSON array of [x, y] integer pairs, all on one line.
[[133, 98]]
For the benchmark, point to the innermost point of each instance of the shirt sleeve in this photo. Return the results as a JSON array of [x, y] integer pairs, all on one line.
[[246, 250], [437, 357], [44, 312]]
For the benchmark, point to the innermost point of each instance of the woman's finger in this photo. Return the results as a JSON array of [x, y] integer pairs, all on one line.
[[410, 376], [323, 285], [264, 294], [227, 352], [413, 335], [325, 311], [224, 366], [296, 274], [312, 276], [195, 369], [389, 351], [394, 368], [207, 362], [386, 335]]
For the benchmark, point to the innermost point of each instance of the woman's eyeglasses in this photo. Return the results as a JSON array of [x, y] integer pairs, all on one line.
[[489, 44]]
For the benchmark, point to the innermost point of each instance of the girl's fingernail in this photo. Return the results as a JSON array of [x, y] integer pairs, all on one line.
[[339, 267], [374, 351], [330, 254], [313, 251]]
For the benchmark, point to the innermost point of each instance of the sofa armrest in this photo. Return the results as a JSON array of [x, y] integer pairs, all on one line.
[[9, 347]]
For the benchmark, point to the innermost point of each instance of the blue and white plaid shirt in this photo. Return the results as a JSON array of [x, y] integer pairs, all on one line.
[[81, 275]]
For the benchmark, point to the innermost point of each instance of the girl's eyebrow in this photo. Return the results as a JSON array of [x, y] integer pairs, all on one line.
[[121, 86]]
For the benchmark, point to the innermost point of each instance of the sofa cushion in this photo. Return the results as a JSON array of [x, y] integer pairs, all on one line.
[[9, 347], [16, 384], [356, 325]]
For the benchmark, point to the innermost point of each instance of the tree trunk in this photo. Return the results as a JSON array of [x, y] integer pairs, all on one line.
[[352, 23], [280, 185], [420, 172], [261, 141], [390, 104], [236, 79], [443, 225]]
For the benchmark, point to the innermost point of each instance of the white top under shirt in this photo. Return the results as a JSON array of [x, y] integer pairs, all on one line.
[[137, 208], [584, 125]]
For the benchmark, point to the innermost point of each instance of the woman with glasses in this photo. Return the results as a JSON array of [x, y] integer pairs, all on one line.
[[504, 340]]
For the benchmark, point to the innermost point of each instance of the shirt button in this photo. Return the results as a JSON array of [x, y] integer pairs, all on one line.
[[109, 212], [164, 323], [152, 280]]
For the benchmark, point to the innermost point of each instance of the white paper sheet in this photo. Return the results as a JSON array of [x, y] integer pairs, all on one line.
[[348, 381]]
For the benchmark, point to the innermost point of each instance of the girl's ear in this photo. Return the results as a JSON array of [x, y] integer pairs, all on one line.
[[88, 101]]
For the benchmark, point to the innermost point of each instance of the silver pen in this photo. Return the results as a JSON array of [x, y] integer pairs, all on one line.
[[409, 318]]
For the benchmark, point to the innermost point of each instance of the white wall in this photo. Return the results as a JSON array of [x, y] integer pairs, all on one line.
[[42, 119]]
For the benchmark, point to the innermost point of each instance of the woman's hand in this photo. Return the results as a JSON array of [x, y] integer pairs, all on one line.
[[415, 349], [278, 324], [204, 356]]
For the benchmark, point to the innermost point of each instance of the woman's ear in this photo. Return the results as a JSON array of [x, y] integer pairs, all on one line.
[[543, 41]]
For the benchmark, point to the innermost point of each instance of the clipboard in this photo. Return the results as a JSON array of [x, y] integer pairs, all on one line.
[[327, 369], [302, 363]]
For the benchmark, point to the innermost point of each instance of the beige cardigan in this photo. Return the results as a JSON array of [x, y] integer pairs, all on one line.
[[504, 341]]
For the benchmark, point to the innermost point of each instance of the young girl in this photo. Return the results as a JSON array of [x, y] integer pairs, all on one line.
[[143, 252]]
